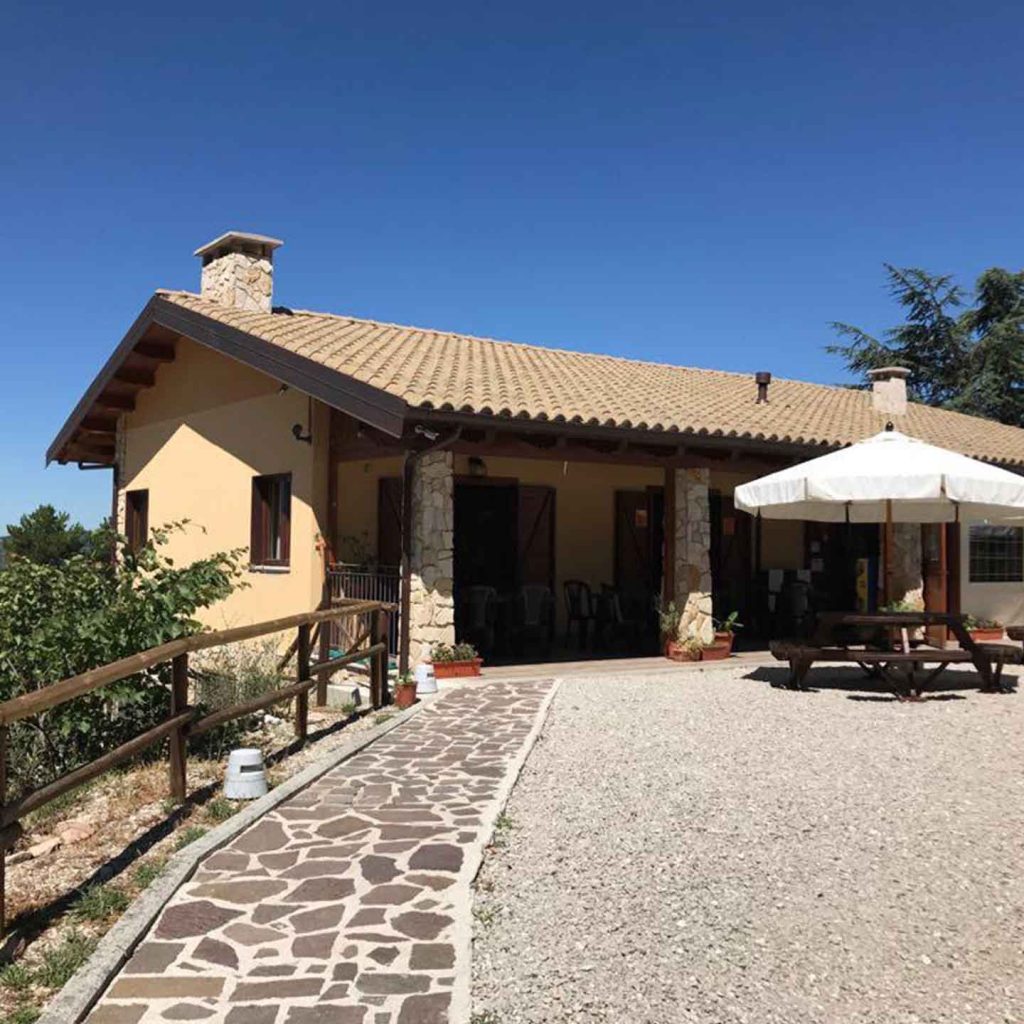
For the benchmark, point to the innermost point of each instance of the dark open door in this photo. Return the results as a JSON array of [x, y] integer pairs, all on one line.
[[638, 542], [632, 545], [536, 541], [731, 558], [389, 521]]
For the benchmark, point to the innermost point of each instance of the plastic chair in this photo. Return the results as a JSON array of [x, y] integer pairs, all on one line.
[[579, 610]]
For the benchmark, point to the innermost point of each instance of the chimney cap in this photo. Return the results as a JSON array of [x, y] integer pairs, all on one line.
[[238, 241], [889, 372]]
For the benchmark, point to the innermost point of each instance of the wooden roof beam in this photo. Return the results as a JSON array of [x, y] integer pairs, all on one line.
[[135, 375], [121, 403], [158, 351]]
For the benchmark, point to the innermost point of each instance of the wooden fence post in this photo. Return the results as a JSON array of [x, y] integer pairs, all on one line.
[[179, 738], [324, 655], [379, 695], [302, 674]]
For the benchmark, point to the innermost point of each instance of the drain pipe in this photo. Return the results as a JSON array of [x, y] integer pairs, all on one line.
[[408, 476]]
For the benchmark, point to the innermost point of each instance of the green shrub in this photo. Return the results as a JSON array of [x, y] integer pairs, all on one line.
[[188, 835], [99, 902], [16, 978], [24, 1015], [146, 873], [220, 809], [62, 960], [233, 675], [59, 620]]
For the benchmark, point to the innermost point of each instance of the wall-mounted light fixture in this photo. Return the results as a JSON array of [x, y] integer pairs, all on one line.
[[299, 435]]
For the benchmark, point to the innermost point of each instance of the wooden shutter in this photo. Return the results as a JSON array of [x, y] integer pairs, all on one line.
[[536, 529], [633, 573], [136, 519], [389, 521], [284, 510], [257, 531]]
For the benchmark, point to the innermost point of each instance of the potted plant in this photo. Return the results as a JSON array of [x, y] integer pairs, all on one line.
[[692, 649], [405, 691], [668, 628], [455, 660], [725, 630], [983, 630]]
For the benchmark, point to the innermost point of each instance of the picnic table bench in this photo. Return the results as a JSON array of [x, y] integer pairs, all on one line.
[[912, 666]]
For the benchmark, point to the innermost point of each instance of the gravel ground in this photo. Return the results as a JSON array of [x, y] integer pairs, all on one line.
[[702, 847]]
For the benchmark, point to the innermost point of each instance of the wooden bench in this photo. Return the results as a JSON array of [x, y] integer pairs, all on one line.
[[906, 669]]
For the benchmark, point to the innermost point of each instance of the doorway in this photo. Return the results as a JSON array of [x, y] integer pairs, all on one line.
[[504, 572], [639, 559], [731, 560]]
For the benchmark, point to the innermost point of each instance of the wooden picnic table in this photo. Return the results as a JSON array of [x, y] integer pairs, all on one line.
[[887, 648]]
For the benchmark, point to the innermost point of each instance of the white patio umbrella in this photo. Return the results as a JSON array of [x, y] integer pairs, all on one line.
[[888, 478]]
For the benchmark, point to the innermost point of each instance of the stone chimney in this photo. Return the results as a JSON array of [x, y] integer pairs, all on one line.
[[889, 390], [238, 270]]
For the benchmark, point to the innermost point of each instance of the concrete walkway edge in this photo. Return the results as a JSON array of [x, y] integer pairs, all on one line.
[[80, 994], [462, 996]]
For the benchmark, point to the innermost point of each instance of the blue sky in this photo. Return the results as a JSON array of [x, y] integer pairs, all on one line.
[[702, 184]]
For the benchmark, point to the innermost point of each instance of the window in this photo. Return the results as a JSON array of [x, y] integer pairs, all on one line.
[[271, 520], [997, 554], [136, 519]]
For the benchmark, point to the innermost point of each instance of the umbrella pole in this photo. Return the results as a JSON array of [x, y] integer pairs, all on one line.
[[887, 554]]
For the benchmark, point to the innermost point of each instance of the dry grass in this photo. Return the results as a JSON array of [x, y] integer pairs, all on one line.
[[59, 905]]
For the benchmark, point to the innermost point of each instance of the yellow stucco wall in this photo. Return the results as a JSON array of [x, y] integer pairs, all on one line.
[[357, 504], [197, 439]]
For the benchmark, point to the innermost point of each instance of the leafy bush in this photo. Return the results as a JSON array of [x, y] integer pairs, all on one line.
[[62, 960], [57, 621], [230, 675]]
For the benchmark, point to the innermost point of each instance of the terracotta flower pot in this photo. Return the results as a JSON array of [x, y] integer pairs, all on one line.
[[677, 652], [724, 639], [718, 651], [457, 669], [986, 634], [405, 694]]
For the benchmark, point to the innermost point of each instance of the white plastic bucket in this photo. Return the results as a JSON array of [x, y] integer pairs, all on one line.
[[246, 778], [426, 681]]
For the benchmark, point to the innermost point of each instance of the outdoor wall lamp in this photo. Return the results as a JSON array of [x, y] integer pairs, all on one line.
[[300, 436]]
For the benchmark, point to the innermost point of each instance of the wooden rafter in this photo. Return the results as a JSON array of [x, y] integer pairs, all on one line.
[[158, 351], [136, 375]]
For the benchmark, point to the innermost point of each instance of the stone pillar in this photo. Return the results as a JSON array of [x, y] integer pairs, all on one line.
[[693, 554], [907, 571], [431, 593]]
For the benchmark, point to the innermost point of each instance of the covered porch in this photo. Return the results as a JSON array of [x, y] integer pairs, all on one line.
[[559, 544]]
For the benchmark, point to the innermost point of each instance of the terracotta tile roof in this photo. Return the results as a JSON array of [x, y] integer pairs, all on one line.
[[455, 372]]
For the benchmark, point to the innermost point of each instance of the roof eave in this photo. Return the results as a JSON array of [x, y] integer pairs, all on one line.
[[371, 405]]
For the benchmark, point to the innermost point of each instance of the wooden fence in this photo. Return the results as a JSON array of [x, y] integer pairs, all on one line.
[[182, 720]]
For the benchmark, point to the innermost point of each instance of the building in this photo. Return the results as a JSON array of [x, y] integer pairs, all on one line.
[[496, 474]]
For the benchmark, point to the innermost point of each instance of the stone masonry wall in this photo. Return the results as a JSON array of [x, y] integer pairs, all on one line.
[[239, 280], [432, 600], [693, 554], [907, 571]]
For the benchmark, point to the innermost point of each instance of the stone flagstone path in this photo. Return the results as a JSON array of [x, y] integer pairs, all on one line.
[[349, 903]]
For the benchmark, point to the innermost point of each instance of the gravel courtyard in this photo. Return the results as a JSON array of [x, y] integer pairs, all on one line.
[[698, 846]]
